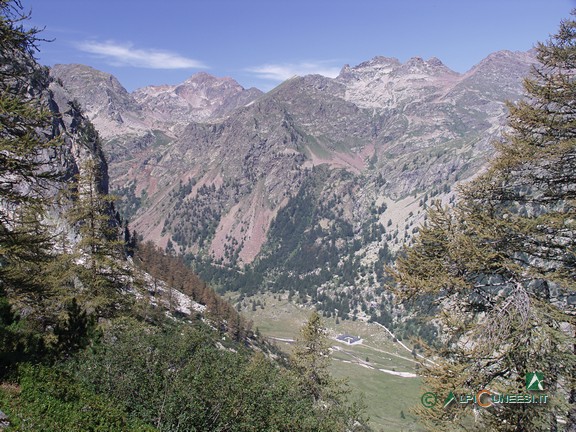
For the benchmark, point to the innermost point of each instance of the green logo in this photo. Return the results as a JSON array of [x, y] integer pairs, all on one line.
[[429, 399], [449, 399], [534, 381]]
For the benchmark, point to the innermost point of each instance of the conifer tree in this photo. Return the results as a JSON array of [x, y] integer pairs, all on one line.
[[311, 361], [27, 143], [100, 248], [24, 170], [311, 357], [502, 263], [73, 333]]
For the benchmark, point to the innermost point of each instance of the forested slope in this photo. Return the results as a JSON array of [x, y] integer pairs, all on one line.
[[97, 331]]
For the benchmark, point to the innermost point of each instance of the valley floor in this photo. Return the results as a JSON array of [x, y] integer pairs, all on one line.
[[382, 370]]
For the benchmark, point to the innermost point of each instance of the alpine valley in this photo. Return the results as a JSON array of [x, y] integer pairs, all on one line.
[[310, 188]]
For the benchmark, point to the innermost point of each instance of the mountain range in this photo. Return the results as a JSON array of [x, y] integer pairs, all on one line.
[[311, 186]]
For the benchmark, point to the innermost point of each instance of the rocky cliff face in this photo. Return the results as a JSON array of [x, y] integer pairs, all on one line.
[[78, 139], [63, 145], [102, 98], [348, 164]]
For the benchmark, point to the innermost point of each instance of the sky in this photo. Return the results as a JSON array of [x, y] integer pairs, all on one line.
[[260, 43]]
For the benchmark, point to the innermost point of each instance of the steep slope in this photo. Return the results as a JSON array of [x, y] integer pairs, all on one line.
[[86, 332], [104, 101], [228, 168], [435, 125], [162, 281]]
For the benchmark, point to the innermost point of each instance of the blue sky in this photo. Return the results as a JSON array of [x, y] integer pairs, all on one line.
[[262, 42]]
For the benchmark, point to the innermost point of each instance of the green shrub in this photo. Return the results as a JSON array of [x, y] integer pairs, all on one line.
[[51, 400]]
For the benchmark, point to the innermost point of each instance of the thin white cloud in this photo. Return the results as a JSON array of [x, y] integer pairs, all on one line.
[[282, 72], [125, 54]]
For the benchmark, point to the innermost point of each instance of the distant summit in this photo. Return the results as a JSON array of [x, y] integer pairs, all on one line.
[[199, 98]]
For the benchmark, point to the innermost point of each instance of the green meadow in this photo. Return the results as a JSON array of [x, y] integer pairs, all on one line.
[[388, 395]]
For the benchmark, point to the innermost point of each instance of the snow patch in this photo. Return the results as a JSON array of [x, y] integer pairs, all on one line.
[[402, 374]]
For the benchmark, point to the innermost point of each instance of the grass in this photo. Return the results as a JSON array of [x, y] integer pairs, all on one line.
[[386, 396], [161, 138]]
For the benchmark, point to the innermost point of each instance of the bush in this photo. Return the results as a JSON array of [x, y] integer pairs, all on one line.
[[180, 378], [51, 400]]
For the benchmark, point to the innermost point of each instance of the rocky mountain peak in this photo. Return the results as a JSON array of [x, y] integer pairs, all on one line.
[[373, 68], [435, 61], [426, 68], [204, 79], [104, 100], [503, 63], [198, 98], [498, 76], [386, 83]]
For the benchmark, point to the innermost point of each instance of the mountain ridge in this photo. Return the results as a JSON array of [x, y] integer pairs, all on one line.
[[392, 136]]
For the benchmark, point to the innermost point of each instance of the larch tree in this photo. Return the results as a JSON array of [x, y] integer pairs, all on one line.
[[26, 143], [331, 397], [100, 248], [311, 357], [502, 264], [25, 170]]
